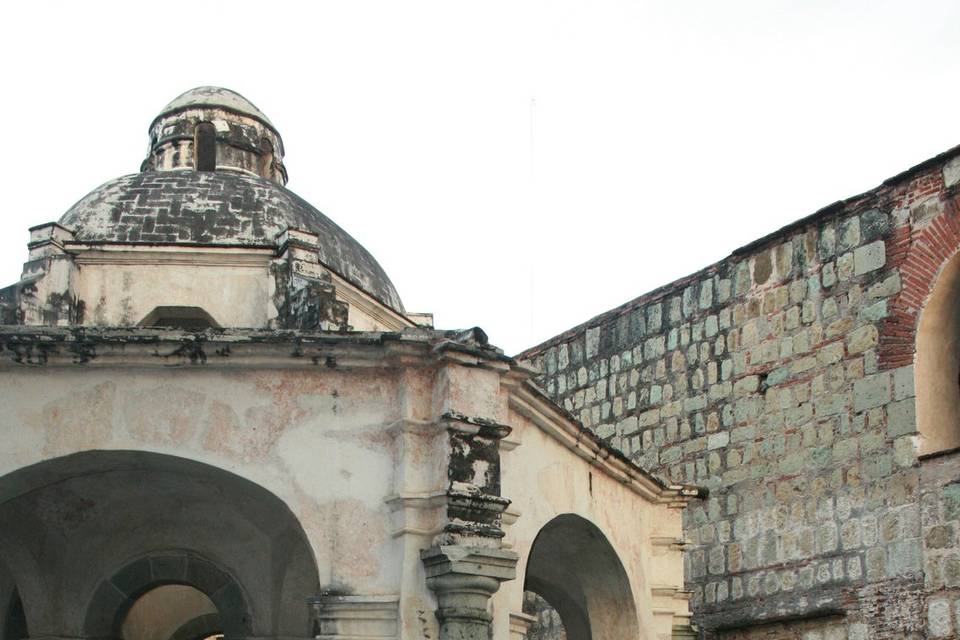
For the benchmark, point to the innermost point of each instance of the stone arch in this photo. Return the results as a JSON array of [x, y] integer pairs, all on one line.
[[115, 595], [574, 567], [102, 526]]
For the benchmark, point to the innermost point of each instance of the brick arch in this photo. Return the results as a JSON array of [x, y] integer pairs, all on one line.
[[921, 255]]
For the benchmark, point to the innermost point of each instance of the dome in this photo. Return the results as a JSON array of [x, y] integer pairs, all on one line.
[[219, 208], [214, 97]]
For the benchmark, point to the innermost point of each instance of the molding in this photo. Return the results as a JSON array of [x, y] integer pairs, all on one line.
[[367, 304], [152, 255], [97, 347], [414, 427], [669, 541], [349, 617], [520, 624], [430, 500]]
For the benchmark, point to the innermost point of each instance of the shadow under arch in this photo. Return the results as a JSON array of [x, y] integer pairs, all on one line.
[[937, 364], [117, 523], [577, 571]]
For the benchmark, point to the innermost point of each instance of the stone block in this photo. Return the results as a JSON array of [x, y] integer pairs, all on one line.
[[876, 564], [718, 440], [874, 312], [871, 391], [627, 426], [828, 276], [745, 386], [845, 266], [941, 536], [905, 451], [874, 224], [861, 339], [889, 286], [828, 241], [858, 631], [939, 623], [901, 418], [593, 342], [903, 383], [706, 294], [951, 172], [904, 557], [850, 535], [830, 354], [849, 234], [869, 257]]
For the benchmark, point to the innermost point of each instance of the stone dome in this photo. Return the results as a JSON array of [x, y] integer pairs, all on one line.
[[219, 208], [214, 97]]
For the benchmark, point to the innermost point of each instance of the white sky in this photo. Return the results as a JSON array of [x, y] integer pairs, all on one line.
[[664, 134]]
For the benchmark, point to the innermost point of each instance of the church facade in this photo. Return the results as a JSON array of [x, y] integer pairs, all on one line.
[[219, 420], [810, 382]]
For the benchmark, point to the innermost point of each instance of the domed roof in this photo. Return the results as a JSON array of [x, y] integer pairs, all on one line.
[[222, 208], [215, 97]]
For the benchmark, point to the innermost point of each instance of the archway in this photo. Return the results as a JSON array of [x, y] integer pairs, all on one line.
[[576, 570], [167, 594], [937, 373], [93, 532]]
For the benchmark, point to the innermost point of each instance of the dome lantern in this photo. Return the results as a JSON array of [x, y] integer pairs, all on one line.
[[215, 129]]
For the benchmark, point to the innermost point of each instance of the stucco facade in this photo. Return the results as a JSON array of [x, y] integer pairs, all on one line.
[[810, 381], [220, 419]]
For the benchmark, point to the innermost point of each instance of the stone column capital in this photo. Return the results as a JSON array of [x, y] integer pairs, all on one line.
[[464, 578]]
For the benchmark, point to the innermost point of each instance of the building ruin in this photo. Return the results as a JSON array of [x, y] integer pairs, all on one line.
[[221, 421]]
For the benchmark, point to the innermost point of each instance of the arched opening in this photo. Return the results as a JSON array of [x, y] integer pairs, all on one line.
[[266, 159], [172, 612], [205, 147], [179, 317], [575, 569], [107, 528], [162, 594], [937, 364]]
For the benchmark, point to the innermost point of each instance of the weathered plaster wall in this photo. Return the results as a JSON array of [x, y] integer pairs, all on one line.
[[235, 289], [545, 480], [782, 379], [317, 440]]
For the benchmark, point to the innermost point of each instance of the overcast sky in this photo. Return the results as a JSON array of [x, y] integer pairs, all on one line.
[[521, 166]]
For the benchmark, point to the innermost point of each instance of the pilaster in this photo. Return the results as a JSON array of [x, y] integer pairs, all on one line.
[[463, 579]]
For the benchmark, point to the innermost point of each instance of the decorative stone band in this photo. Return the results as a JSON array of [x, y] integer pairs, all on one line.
[[464, 578], [338, 617]]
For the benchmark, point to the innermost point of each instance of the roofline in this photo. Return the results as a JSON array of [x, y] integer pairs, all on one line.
[[96, 347], [201, 105], [530, 402], [824, 213]]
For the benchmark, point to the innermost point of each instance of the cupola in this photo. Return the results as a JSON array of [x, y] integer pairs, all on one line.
[[215, 129]]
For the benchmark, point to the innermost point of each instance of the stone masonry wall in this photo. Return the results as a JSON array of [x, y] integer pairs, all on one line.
[[781, 378]]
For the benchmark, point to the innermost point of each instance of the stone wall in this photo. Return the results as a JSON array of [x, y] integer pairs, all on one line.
[[782, 379]]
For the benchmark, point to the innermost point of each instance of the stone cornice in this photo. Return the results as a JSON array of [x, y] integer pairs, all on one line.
[[232, 348]]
